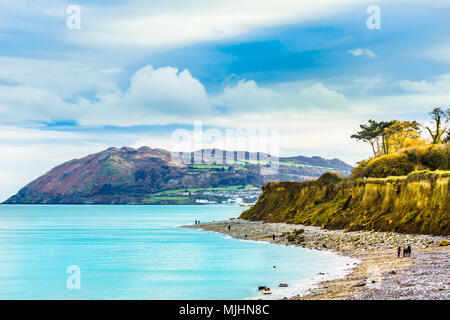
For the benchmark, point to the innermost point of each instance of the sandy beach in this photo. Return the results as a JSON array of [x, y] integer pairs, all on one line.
[[380, 273]]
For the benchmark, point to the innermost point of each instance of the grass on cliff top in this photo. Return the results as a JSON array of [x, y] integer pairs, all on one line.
[[414, 174], [427, 157]]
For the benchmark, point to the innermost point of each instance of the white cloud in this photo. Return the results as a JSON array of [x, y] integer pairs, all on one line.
[[439, 52], [169, 96], [155, 96], [441, 84], [161, 25], [64, 78], [362, 52], [22, 103], [248, 97], [163, 96]]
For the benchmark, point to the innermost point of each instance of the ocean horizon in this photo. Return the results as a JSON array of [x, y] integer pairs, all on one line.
[[141, 252]]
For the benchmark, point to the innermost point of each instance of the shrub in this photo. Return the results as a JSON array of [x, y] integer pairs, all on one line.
[[437, 157], [429, 157], [396, 164], [331, 177]]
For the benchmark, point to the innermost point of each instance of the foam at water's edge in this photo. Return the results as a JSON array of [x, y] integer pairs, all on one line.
[[303, 286]]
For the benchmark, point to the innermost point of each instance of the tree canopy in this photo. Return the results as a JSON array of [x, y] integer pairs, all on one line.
[[373, 134]]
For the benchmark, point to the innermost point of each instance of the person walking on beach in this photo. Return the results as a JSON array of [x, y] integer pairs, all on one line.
[[399, 250], [229, 227], [405, 251], [273, 237], [409, 251]]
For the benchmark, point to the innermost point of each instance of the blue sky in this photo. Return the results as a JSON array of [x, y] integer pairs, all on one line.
[[136, 71]]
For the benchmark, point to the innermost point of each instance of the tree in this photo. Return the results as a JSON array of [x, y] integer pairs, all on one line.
[[441, 120], [373, 133], [399, 133]]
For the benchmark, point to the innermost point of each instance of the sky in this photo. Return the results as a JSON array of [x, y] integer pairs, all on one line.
[[81, 76]]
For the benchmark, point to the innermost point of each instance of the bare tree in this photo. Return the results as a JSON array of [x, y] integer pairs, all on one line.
[[441, 120]]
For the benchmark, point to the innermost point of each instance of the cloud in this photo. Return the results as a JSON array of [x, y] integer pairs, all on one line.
[[439, 52], [25, 103], [163, 25], [362, 52], [64, 78], [440, 84], [248, 97], [171, 96], [155, 96], [167, 90], [164, 96]]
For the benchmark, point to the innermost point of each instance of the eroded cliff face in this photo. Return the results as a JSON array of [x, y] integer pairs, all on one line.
[[417, 203]]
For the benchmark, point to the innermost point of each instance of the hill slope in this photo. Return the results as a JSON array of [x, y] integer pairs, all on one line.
[[133, 176], [417, 203]]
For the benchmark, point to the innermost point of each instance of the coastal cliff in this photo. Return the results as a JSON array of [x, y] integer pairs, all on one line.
[[416, 203]]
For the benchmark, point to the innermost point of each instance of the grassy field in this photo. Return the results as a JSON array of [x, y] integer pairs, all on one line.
[[283, 163], [229, 188], [174, 198], [210, 166]]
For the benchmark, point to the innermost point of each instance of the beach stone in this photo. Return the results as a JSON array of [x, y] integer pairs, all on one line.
[[360, 284], [443, 243]]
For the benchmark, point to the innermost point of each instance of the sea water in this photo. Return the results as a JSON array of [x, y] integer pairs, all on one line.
[[140, 252]]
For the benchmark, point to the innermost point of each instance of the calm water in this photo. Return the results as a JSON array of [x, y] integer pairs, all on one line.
[[137, 252]]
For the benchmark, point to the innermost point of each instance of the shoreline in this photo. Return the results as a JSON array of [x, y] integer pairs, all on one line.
[[378, 274]]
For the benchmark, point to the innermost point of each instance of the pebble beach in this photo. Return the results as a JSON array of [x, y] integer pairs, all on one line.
[[380, 273]]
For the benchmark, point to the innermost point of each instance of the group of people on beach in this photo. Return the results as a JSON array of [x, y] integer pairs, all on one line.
[[406, 251], [196, 221]]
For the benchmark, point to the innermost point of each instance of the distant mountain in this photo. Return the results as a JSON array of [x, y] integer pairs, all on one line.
[[148, 176]]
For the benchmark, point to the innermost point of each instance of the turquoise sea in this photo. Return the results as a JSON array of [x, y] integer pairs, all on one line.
[[139, 252]]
